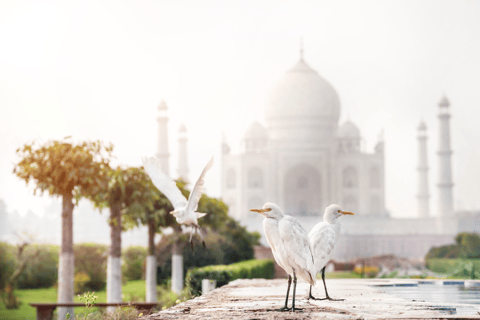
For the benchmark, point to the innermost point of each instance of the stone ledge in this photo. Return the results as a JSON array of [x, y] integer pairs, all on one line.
[[256, 298]]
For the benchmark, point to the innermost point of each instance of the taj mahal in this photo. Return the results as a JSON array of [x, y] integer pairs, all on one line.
[[304, 160]]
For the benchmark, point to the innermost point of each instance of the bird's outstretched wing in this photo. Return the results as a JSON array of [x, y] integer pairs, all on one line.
[[197, 190], [164, 183], [323, 239], [297, 244]]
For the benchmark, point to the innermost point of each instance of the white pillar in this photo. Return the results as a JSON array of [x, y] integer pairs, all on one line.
[[182, 153], [208, 285], [445, 184], [114, 281], [162, 153], [177, 273], [65, 284], [151, 279], [423, 208]]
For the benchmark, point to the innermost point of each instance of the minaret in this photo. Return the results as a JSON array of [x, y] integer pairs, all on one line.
[[301, 49], [423, 208], [182, 153], [162, 153], [445, 184]]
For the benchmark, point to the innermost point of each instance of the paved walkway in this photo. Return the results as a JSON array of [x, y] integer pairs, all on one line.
[[256, 298]]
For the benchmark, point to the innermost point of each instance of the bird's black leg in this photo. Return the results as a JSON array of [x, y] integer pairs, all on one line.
[[201, 236], [286, 299], [294, 289], [191, 236], [310, 295], [325, 286]]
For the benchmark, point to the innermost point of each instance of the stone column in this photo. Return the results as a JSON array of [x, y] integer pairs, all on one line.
[[423, 208], [177, 273], [182, 153], [151, 279], [163, 154], [445, 184]]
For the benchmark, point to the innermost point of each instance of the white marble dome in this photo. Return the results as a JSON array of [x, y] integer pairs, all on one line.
[[256, 131], [348, 130], [302, 93]]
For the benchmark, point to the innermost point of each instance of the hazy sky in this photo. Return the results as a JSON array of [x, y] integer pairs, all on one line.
[[98, 70]]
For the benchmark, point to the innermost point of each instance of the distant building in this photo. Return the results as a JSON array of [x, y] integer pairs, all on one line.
[[303, 160]]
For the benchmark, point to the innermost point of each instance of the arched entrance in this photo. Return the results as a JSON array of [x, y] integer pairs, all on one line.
[[302, 191]]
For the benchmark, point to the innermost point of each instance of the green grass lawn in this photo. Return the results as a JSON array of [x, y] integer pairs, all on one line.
[[132, 291], [339, 275]]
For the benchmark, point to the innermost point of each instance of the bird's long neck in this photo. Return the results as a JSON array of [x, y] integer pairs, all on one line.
[[328, 218]]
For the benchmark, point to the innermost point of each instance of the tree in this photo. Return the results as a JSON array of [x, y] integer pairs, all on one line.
[[150, 207], [9, 298], [70, 171], [471, 244], [226, 241], [123, 188], [467, 247]]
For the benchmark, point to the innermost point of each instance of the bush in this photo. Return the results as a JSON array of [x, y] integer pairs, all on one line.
[[167, 298], [81, 279], [221, 249], [223, 274], [457, 268], [451, 251], [91, 259], [467, 247], [7, 262], [41, 271], [366, 271], [134, 263]]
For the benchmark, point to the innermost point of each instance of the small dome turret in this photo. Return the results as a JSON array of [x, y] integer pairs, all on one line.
[[349, 137], [256, 131], [255, 138], [348, 130]]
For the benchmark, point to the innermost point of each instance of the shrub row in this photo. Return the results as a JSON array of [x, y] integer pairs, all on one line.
[[223, 274], [461, 268]]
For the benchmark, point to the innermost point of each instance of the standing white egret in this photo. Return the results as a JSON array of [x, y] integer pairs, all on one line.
[[184, 211], [290, 247], [323, 238]]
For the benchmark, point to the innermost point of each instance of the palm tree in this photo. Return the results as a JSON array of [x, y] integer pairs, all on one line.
[[70, 171]]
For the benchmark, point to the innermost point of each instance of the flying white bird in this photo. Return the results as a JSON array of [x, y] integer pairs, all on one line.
[[323, 238], [290, 247], [184, 211]]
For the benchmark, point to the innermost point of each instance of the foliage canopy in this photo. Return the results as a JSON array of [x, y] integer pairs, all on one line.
[[64, 168]]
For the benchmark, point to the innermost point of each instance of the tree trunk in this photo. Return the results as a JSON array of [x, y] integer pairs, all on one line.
[[177, 268], [151, 272], [114, 264], [66, 263]]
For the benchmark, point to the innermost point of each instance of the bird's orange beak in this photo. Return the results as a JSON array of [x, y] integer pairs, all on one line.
[[347, 212], [261, 211]]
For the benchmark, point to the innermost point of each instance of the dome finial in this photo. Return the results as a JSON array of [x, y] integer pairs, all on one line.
[[301, 49]]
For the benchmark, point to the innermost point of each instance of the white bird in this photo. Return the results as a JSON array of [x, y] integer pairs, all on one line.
[[323, 238], [290, 247], [184, 211]]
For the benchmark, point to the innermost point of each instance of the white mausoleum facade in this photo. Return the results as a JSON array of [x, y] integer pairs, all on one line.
[[303, 159]]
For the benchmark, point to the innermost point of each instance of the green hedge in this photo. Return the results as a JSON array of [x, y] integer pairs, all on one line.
[[42, 271], [461, 268], [133, 267], [223, 274]]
